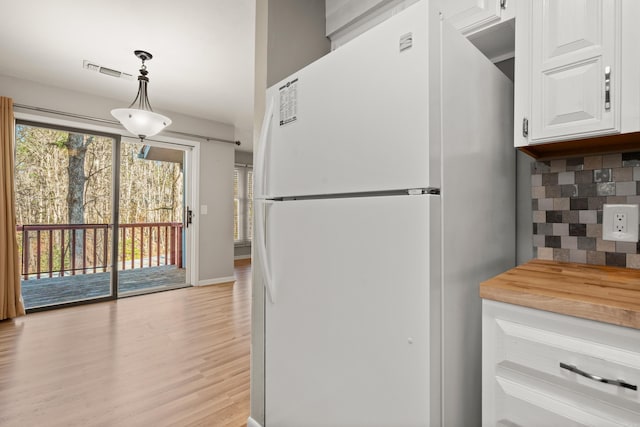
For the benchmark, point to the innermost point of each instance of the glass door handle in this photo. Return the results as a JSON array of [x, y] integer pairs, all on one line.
[[188, 217]]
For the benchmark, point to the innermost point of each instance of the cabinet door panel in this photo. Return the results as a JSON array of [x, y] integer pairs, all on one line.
[[568, 95], [573, 41], [573, 25]]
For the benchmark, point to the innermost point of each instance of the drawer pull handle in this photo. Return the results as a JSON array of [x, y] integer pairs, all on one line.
[[619, 383]]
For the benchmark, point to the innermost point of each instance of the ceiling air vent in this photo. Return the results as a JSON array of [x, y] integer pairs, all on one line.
[[92, 66]]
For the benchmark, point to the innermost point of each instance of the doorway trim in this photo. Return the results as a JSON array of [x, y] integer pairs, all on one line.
[[192, 198]]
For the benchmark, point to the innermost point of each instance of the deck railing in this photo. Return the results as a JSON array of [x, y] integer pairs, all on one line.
[[49, 250]]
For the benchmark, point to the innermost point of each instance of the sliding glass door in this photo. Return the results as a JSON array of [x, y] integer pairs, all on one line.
[[64, 209], [152, 236], [98, 217]]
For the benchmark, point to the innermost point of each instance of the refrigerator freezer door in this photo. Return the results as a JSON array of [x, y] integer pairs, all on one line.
[[357, 119], [347, 340]]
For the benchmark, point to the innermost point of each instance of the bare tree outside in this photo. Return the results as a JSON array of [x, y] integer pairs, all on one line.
[[76, 146], [65, 178]]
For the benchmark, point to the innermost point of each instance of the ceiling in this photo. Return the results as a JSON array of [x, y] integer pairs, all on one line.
[[203, 52]]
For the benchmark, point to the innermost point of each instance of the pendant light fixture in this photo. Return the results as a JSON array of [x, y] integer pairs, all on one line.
[[139, 118]]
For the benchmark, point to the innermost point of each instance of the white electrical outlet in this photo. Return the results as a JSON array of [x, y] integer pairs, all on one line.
[[620, 223]]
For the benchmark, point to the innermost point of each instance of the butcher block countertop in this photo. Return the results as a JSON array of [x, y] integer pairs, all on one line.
[[605, 294]]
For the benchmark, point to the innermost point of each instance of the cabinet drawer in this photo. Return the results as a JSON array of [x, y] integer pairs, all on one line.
[[536, 359], [552, 354], [529, 402]]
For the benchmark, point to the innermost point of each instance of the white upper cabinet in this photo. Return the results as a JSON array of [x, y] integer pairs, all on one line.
[[574, 63], [576, 69], [347, 19], [471, 16], [488, 24]]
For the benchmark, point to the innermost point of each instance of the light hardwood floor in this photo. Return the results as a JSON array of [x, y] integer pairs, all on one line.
[[176, 358]]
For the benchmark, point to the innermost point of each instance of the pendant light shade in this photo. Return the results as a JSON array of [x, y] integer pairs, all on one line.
[[139, 118], [143, 123]]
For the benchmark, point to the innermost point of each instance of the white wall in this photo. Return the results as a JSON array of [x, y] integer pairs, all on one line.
[[216, 228], [289, 35], [296, 36], [244, 157], [524, 211], [216, 163]]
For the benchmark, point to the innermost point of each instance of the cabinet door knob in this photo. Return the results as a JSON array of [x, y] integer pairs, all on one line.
[[576, 370]]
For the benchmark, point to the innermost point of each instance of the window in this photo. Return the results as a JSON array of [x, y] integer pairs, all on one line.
[[243, 204]]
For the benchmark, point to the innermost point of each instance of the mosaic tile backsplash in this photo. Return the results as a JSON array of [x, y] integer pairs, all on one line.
[[567, 197]]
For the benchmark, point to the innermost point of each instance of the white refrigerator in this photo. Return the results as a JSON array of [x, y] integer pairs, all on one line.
[[384, 194]]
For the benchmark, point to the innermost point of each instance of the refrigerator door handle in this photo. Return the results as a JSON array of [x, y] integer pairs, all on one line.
[[259, 167], [261, 248]]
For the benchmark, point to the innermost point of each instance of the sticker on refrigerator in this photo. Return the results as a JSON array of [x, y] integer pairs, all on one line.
[[289, 102]]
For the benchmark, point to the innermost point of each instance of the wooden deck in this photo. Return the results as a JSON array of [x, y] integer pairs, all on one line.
[[176, 358], [59, 290]]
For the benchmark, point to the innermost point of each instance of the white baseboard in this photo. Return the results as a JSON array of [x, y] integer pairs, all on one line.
[[253, 423], [242, 257], [216, 281]]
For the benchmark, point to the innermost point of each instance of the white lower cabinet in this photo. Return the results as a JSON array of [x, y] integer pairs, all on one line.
[[547, 369]]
